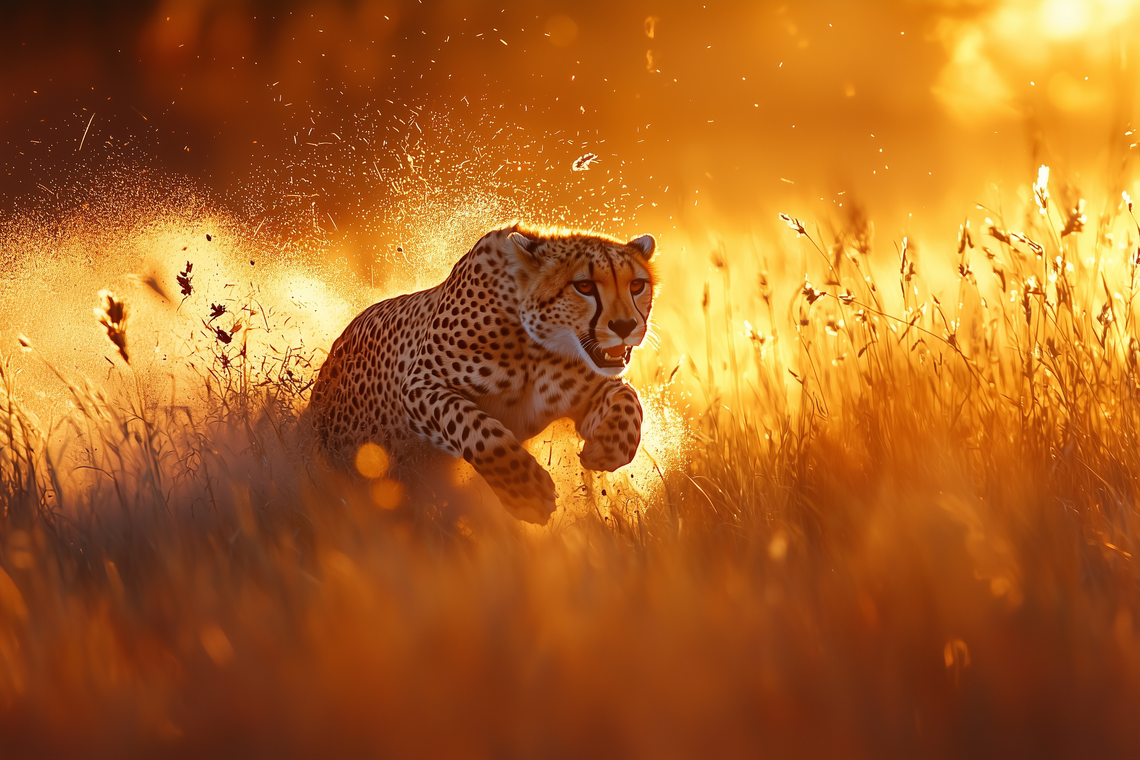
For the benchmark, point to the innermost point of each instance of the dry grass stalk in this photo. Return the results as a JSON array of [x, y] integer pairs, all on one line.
[[923, 545]]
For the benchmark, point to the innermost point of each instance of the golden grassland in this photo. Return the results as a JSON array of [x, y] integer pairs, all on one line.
[[898, 527]]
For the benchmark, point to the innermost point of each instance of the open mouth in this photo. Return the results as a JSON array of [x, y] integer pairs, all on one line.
[[609, 358]]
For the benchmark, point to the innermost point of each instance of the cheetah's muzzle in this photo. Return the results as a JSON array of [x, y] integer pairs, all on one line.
[[604, 360]]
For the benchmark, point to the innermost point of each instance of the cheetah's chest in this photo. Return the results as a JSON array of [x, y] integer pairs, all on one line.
[[545, 395]]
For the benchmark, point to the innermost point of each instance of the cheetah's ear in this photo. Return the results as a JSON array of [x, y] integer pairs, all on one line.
[[646, 244], [526, 246]]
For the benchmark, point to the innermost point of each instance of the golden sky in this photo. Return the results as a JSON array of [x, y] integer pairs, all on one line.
[[741, 107]]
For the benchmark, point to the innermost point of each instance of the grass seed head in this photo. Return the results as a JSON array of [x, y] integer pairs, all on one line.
[[999, 235], [757, 338], [765, 287], [1076, 220], [794, 224], [964, 239], [811, 294], [112, 315], [1041, 190], [1106, 316], [1033, 245], [906, 264]]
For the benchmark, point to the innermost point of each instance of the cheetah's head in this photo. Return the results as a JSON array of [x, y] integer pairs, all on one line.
[[585, 296]]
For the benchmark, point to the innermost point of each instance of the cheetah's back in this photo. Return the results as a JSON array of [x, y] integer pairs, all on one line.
[[356, 397]]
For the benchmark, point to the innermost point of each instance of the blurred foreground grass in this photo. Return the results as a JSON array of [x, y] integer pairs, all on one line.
[[903, 528]]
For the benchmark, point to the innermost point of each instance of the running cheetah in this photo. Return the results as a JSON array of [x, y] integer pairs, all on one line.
[[530, 326]]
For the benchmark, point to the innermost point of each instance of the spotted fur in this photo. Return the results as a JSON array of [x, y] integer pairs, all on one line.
[[528, 328]]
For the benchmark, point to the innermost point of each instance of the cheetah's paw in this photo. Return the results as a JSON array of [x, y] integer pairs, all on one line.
[[607, 454]]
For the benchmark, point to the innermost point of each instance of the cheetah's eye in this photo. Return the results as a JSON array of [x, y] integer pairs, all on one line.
[[636, 287], [585, 287]]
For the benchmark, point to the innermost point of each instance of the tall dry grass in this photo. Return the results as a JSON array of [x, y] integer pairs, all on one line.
[[906, 527]]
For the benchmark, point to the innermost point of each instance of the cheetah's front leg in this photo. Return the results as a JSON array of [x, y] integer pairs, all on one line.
[[455, 424], [612, 427]]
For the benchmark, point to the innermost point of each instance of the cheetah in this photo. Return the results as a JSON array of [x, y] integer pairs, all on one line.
[[531, 326]]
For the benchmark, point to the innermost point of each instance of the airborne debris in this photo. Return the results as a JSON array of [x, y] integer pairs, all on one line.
[[582, 163], [223, 335], [85, 131], [150, 281], [185, 280]]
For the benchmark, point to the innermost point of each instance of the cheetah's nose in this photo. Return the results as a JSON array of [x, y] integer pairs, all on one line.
[[623, 327]]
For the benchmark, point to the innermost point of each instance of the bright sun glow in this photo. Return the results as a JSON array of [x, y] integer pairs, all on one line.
[[1066, 18]]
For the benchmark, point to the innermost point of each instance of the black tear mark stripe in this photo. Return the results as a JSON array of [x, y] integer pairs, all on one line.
[[633, 298], [597, 295], [644, 321]]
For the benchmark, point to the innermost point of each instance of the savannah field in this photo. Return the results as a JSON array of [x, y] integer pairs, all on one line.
[[886, 499]]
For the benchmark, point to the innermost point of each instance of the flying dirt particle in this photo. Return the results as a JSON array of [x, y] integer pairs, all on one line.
[[208, 238], [582, 163], [185, 278], [151, 282], [222, 335]]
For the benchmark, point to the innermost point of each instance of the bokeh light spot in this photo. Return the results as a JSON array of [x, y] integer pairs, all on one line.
[[372, 461]]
